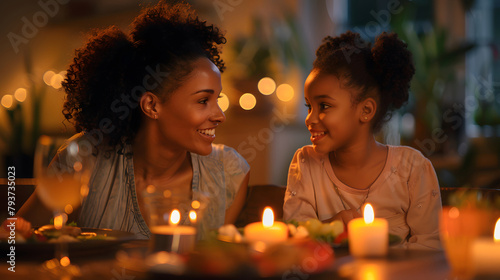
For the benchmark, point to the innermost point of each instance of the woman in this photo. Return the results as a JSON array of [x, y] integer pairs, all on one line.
[[148, 105]]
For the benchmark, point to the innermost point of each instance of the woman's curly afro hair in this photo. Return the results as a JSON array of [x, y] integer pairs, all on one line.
[[112, 70], [383, 71]]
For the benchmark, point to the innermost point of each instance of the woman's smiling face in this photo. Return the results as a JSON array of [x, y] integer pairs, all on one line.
[[332, 118], [191, 114]]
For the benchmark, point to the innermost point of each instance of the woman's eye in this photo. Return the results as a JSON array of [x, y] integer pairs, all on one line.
[[203, 101], [324, 106]]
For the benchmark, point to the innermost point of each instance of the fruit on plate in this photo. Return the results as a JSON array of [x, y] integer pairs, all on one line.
[[334, 232]]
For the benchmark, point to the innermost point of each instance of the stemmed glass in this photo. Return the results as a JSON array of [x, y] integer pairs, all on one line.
[[62, 182]]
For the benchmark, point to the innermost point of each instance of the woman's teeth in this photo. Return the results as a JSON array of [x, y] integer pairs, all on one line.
[[316, 134], [209, 132]]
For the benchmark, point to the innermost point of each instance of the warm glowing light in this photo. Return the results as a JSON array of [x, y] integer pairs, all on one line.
[[195, 204], [20, 94], [58, 221], [7, 101], [496, 235], [175, 217], [150, 189], [285, 92], [78, 166], [167, 193], [192, 216], [45, 140], [223, 102], [68, 209], [268, 217], [47, 77], [248, 101], [84, 190], [266, 86], [51, 264], [370, 272], [63, 74], [368, 214], [56, 81], [454, 212], [65, 261]]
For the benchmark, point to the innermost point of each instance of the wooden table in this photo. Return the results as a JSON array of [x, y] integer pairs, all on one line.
[[399, 264]]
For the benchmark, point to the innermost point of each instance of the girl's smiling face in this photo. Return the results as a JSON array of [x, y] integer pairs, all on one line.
[[189, 117], [332, 119]]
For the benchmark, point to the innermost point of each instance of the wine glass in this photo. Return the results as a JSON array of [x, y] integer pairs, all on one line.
[[62, 170]]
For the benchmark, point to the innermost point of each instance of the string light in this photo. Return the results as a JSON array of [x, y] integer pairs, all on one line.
[[248, 101], [20, 94], [223, 102], [266, 86], [285, 92], [7, 101]]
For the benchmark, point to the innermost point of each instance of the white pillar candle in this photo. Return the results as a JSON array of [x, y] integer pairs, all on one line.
[[486, 254], [368, 237], [267, 231]]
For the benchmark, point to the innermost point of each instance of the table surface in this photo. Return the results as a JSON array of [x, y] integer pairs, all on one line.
[[399, 264]]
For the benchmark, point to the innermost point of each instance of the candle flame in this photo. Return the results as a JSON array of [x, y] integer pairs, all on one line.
[[496, 235], [175, 217], [58, 221], [192, 216], [368, 214], [268, 217]]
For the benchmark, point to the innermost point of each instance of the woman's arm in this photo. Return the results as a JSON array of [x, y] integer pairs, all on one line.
[[239, 200]]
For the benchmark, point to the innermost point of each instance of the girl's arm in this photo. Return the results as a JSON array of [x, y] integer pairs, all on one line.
[[425, 207]]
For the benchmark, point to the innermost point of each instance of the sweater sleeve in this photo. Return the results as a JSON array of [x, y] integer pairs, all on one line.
[[425, 207], [300, 203]]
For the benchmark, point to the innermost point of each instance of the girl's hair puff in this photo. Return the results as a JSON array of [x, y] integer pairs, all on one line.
[[382, 71]]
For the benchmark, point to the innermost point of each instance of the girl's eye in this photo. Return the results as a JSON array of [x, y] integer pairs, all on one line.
[[203, 101], [308, 106]]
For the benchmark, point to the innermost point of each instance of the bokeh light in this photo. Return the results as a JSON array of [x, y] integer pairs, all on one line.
[[7, 101], [47, 77], [56, 81], [285, 92], [223, 102], [248, 101], [20, 94], [266, 86]]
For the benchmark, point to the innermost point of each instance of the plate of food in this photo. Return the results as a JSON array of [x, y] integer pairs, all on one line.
[[40, 242]]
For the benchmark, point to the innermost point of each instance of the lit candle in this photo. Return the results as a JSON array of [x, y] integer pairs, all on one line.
[[368, 237], [268, 230], [173, 237], [486, 253]]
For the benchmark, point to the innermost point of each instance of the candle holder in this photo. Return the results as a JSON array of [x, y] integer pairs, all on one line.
[[175, 221], [459, 227]]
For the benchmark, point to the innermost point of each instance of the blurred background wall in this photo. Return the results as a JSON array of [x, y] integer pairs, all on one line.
[[452, 117]]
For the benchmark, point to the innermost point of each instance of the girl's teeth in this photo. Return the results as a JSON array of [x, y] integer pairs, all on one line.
[[209, 132], [317, 134]]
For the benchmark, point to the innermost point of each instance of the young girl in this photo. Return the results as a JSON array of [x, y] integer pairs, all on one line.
[[349, 95], [147, 103]]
